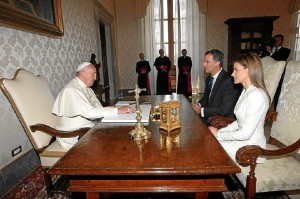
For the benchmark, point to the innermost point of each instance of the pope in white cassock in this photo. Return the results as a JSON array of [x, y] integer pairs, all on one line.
[[77, 105]]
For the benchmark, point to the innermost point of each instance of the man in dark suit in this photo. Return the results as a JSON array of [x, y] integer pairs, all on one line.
[[279, 53], [220, 95]]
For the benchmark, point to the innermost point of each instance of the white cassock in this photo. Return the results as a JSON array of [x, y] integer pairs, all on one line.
[[77, 106], [250, 111]]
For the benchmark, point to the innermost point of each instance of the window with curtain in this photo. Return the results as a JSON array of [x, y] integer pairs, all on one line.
[[174, 25], [297, 39]]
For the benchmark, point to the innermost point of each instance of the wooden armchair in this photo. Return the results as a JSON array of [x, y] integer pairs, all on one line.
[[281, 171], [32, 100], [272, 73]]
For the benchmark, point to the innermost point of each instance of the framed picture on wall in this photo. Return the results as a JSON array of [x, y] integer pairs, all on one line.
[[42, 17]]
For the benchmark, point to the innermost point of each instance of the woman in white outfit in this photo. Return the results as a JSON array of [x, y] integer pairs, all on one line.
[[250, 109]]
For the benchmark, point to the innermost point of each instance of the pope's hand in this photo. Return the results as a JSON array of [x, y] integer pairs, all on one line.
[[125, 109]]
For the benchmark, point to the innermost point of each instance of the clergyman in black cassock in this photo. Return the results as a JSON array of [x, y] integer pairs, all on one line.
[[142, 69], [184, 74], [163, 66]]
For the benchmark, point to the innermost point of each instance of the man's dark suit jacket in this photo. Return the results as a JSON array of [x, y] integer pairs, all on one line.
[[282, 54], [223, 98]]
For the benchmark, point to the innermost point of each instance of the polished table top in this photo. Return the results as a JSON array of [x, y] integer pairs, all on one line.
[[107, 150]]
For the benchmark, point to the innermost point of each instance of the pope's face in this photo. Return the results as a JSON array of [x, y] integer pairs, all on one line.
[[88, 75]]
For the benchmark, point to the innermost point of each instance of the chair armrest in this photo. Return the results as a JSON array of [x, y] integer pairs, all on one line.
[[271, 116], [220, 121], [248, 155], [63, 134]]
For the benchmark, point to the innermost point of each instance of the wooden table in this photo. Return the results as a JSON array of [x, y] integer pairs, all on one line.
[[189, 159]]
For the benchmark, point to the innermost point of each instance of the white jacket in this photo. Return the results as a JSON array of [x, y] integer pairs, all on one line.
[[250, 111]]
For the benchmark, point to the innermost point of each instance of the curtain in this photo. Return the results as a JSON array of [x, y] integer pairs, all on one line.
[[189, 33], [152, 37]]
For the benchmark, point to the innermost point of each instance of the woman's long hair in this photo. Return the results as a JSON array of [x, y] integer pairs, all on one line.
[[255, 70]]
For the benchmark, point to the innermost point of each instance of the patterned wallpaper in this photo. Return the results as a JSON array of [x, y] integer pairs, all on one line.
[[128, 43], [54, 58]]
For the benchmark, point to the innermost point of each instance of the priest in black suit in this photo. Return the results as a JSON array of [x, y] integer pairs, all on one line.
[[220, 95], [142, 69], [163, 81], [184, 85]]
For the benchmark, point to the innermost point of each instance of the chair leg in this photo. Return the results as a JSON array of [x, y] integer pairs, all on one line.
[[48, 183]]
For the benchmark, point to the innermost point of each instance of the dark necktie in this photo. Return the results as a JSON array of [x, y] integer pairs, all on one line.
[[210, 83]]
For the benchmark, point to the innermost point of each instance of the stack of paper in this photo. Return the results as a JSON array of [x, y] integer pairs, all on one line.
[[125, 103]]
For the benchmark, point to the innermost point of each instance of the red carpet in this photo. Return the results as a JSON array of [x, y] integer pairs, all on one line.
[[31, 186]]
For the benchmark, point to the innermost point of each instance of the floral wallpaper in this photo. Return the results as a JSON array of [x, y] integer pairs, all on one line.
[[55, 58]]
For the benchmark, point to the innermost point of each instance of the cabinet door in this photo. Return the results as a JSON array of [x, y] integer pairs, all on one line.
[[247, 35]]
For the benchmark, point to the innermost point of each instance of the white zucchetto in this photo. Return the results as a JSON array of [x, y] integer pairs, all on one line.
[[82, 65]]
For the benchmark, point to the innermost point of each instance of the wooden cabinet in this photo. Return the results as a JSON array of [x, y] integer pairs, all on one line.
[[247, 35]]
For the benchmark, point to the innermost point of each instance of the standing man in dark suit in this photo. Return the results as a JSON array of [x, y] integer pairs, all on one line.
[[163, 66], [220, 93], [184, 74], [142, 69], [279, 53]]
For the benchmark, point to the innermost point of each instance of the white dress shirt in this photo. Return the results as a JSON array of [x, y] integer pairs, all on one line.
[[77, 106], [248, 129]]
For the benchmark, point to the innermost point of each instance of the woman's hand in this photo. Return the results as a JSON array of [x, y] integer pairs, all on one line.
[[125, 109], [213, 130]]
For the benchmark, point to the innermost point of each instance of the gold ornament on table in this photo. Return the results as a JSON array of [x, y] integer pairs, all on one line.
[[155, 114], [139, 132], [169, 115]]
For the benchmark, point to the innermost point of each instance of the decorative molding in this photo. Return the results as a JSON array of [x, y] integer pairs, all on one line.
[[294, 5], [103, 14], [141, 8], [202, 6]]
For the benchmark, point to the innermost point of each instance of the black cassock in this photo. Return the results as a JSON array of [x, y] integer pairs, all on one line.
[[143, 78], [184, 80], [163, 82]]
